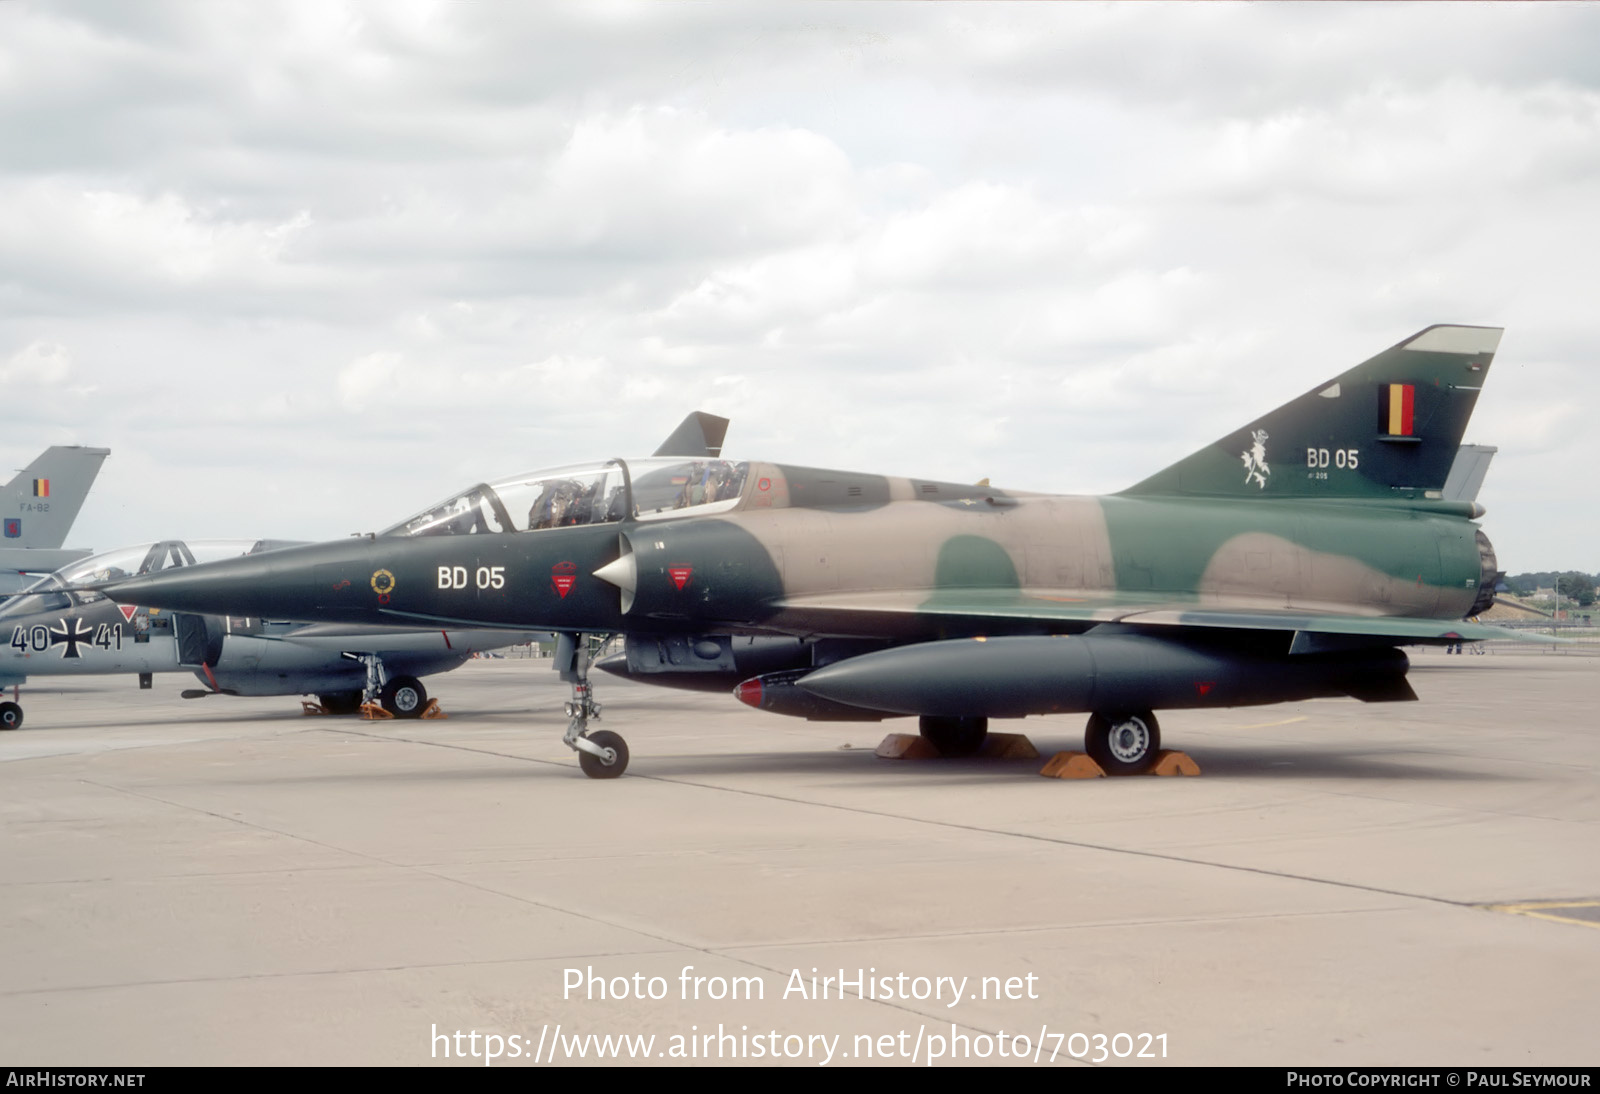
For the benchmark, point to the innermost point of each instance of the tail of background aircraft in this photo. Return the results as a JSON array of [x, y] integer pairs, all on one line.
[[1388, 428], [38, 506], [1468, 472], [699, 435]]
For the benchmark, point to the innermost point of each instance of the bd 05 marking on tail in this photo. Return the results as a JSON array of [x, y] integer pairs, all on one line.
[[1342, 458]]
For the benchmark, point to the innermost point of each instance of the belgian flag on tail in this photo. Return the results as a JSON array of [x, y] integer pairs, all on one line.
[[1395, 412], [41, 488]]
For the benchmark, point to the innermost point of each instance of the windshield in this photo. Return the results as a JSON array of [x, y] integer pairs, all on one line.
[[62, 589], [583, 494]]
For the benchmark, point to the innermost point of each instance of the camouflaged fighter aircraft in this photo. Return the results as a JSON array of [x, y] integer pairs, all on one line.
[[1286, 561], [60, 626]]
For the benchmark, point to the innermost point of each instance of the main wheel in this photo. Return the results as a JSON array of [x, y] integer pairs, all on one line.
[[10, 715], [341, 702], [404, 697], [1123, 744], [954, 736], [598, 768]]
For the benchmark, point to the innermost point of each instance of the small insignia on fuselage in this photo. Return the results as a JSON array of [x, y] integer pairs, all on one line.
[[382, 582], [72, 635], [1255, 460], [563, 575]]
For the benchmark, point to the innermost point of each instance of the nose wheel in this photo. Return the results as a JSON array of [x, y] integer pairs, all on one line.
[[10, 715], [601, 755], [612, 758]]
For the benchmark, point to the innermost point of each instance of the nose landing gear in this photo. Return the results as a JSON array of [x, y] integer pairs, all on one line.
[[601, 755]]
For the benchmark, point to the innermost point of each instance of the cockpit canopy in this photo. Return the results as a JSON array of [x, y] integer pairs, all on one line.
[[64, 588], [617, 490]]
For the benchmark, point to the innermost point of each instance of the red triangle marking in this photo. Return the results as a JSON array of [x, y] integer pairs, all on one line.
[[563, 583], [680, 575], [127, 611], [1203, 688]]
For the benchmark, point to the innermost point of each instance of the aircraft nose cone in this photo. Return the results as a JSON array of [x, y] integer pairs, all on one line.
[[234, 587], [333, 582]]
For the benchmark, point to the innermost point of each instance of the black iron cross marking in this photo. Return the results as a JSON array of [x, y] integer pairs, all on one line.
[[79, 634]]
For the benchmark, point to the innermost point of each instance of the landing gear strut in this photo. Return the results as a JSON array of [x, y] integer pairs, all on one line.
[[602, 755]]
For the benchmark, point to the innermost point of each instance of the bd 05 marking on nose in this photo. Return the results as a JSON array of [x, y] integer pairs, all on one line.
[[483, 577]]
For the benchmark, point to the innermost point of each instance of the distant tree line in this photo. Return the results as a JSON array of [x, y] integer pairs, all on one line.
[[1573, 585]]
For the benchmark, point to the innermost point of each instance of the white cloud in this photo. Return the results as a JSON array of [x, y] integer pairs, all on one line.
[[38, 364], [363, 251]]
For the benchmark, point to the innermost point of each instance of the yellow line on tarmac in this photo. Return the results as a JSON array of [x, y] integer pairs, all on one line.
[[1269, 725], [1543, 909]]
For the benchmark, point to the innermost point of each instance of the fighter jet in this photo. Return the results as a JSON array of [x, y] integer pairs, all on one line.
[[60, 626], [37, 508], [1288, 560]]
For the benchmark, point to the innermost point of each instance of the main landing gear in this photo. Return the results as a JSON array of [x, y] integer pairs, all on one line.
[[1124, 743], [10, 715], [602, 755], [402, 696]]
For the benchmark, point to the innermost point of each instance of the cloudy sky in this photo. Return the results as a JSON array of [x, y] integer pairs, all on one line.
[[307, 267]]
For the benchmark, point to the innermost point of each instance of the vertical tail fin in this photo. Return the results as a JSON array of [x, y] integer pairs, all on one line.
[[1389, 427], [699, 435], [39, 505]]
